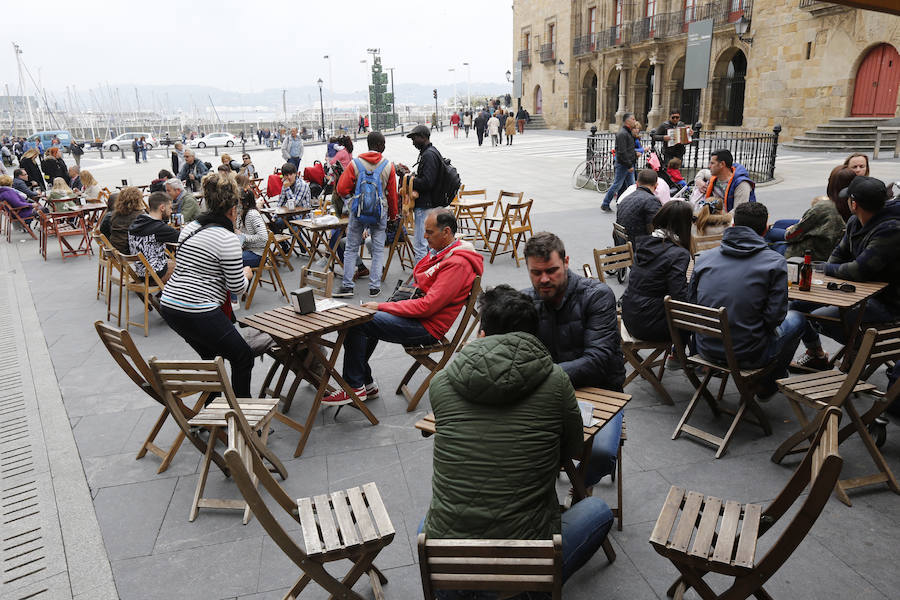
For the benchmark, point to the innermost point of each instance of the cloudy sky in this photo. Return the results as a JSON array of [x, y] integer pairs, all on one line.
[[251, 45]]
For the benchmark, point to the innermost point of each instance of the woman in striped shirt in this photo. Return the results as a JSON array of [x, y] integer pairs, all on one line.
[[208, 268]]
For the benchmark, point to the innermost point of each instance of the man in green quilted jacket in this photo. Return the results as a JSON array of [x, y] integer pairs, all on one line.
[[506, 416]]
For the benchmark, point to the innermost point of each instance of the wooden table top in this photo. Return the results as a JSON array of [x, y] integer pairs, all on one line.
[[820, 294], [285, 325], [606, 404], [284, 210], [309, 225]]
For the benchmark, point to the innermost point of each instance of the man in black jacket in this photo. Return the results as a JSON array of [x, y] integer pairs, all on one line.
[[661, 134], [578, 324], [480, 124], [626, 157], [636, 211], [20, 183], [426, 184]]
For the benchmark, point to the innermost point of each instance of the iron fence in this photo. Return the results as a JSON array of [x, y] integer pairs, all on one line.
[[755, 150]]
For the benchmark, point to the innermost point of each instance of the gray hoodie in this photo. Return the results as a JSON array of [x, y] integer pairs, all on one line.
[[750, 280]]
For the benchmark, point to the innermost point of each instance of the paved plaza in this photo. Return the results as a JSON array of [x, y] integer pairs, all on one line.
[[112, 527]]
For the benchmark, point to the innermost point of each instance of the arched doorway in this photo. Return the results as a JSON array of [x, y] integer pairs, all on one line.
[[538, 101], [612, 96], [687, 101], [643, 91], [729, 75], [877, 79], [589, 98]]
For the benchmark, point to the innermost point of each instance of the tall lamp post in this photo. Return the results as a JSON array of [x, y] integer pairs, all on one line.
[[321, 107], [468, 86], [509, 79]]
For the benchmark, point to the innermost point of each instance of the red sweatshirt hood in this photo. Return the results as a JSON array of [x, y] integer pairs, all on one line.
[[465, 250], [370, 157]]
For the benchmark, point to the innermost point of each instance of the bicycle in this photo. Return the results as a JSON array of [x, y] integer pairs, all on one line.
[[598, 169]]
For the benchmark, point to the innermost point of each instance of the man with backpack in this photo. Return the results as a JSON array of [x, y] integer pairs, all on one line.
[[426, 185], [371, 184]]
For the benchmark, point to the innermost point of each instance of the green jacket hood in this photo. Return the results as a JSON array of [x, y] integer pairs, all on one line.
[[500, 369]]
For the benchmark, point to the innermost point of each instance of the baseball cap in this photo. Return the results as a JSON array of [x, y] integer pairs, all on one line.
[[865, 189], [419, 130]]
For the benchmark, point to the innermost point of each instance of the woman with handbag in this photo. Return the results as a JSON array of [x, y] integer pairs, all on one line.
[[196, 301]]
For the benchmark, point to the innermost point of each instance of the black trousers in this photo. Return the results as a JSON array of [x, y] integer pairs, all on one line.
[[212, 334], [480, 133]]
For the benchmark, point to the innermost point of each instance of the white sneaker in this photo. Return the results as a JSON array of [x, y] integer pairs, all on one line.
[[372, 390]]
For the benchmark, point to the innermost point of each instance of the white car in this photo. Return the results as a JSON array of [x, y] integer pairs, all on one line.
[[125, 140], [218, 138]]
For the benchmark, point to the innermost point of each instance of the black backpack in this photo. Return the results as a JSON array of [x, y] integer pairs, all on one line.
[[449, 184]]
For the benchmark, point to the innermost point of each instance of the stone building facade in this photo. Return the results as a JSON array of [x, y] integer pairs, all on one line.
[[794, 62]]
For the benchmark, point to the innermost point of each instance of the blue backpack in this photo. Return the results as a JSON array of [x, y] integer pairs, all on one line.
[[367, 199]]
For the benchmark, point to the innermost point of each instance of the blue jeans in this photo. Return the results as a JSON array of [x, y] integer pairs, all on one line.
[[420, 246], [775, 235], [295, 160], [362, 340], [622, 179], [251, 259], [354, 240], [584, 528], [876, 312], [604, 451]]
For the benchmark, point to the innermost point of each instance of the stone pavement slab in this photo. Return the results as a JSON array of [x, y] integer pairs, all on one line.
[[155, 552]]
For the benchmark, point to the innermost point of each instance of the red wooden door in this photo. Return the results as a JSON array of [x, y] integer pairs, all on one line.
[[877, 81]]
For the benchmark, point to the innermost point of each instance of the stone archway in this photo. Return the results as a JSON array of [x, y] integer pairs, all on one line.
[[643, 90], [589, 97], [538, 100], [876, 83], [728, 88], [687, 101], [612, 96]]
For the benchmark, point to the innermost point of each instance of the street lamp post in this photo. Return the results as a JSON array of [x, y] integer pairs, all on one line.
[[321, 107], [509, 79], [468, 86], [452, 70], [330, 90]]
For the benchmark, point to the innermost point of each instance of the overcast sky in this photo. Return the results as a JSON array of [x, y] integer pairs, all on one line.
[[252, 45]]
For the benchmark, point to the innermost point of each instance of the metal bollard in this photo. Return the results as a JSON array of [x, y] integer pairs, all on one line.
[[122, 150], [243, 147], [101, 152], [216, 150]]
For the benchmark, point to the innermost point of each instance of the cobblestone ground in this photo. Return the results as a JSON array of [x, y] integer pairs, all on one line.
[[156, 553]]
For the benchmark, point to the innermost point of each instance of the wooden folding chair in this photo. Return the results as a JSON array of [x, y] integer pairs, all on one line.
[[123, 350], [644, 366], [267, 265], [279, 254], [115, 276], [706, 242], [725, 534], [401, 245], [103, 268], [820, 391], [503, 198], [513, 229], [445, 347], [12, 215], [175, 379], [145, 286], [684, 317], [321, 282], [65, 226], [508, 567], [614, 260], [349, 524]]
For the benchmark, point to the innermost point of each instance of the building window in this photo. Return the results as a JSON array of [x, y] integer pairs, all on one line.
[[526, 43], [592, 21], [651, 9], [619, 20], [550, 31], [808, 50]]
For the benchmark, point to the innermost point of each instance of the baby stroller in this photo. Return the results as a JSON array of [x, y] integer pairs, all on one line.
[[657, 162]]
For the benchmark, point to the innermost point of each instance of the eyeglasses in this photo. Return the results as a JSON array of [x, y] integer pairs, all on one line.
[[844, 287]]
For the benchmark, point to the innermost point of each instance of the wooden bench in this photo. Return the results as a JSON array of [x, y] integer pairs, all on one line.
[[701, 534]]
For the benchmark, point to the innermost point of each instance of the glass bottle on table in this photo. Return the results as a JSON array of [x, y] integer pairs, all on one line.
[[806, 271]]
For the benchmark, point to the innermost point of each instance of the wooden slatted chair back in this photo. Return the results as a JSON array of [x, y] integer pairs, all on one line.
[[706, 242], [684, 317], [321, 282], [620, 234], [819, 470], [612, 259], [507, 566], [504, 198], [124, 351], [886, 347], [465, 194], [267, 265], [470, 313]]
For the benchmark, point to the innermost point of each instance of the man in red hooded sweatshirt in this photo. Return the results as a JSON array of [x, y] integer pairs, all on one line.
[[444, 275], [383, 170]]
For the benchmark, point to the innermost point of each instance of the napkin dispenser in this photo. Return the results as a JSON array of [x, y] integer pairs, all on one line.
[[793, 269], [302, 301]]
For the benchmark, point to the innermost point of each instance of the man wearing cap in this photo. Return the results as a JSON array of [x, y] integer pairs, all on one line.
[[425, 184], [869, 251]]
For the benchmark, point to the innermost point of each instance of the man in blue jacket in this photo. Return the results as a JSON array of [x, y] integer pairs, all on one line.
[[730, 181], [749, 279], [626, 158]]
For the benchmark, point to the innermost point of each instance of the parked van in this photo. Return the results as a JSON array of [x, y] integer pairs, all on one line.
[[46, 137]]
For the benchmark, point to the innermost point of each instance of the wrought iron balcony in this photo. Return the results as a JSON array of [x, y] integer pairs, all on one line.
[[584, 44], [525, 57], [817, 7], [548, 52]]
